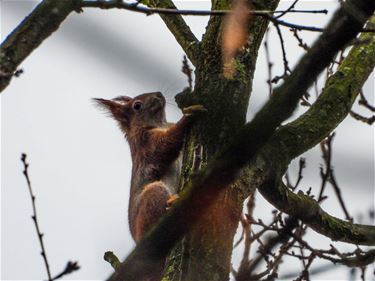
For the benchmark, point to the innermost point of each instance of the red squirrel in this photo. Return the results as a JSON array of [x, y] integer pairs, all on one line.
[[155, 146]]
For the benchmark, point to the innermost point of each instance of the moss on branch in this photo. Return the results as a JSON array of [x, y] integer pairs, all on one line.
[[300, 135], [335, 102], [308, 210]]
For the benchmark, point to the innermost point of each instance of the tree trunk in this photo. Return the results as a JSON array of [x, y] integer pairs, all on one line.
[[205, 254]]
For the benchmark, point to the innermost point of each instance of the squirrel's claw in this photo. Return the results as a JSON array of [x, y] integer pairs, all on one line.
[[193, 109]]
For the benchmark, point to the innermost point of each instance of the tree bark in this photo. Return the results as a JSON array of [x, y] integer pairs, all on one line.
[[215, 179], [205, 253]]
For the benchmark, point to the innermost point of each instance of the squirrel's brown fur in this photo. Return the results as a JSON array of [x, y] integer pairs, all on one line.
[[155, 146]]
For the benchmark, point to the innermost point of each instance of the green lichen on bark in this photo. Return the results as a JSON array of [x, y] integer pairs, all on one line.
[[208, 247], [335, 102], [206, 251], [305, 132]]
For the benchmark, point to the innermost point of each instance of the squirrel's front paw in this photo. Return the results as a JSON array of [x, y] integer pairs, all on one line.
[[172, 199], [194, 109]]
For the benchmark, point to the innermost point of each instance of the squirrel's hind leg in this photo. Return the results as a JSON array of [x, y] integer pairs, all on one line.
[[152, 206]]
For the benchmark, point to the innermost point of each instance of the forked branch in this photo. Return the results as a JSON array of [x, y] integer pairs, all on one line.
[[203, 189], [332, 106]]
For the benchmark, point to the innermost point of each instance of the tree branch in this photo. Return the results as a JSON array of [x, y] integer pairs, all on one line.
[[308, 210], [70, 266], [165, 10], [334, 104], [199, 193], [291, 140], [30, 33]]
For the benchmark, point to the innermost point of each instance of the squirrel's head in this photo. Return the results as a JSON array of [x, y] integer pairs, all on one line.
[[146, 110]]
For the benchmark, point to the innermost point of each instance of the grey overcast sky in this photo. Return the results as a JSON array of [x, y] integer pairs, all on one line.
[[79, 161]]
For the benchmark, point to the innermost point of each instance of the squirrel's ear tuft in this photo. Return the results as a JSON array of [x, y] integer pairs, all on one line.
[[112, 106], [102, 103], [116, 109]]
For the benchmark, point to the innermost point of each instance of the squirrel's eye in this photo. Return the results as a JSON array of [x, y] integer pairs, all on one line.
[[137, 105]]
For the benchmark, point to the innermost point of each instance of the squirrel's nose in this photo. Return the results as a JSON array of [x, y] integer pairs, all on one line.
[[159, 95]]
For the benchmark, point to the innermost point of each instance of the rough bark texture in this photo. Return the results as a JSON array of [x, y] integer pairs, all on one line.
[[207, 214], [291, 140], [201, 191], [205, 254]]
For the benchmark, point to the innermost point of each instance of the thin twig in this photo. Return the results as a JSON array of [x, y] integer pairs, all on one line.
[[69, 268], [269, 64], [329, 175], [164, 11], [285, 60], [301, 165], [302, 44], [305, 274], [282, 237], [332, 180], [327, 156], [363, 101], [287, 180], [34, 216], [314, 270], [291, 7], [367, 120]]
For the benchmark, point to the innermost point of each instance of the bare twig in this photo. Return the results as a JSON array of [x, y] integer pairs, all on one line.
[[367, 120], [302, 44], [34, 216], [325, 147], [301, 165], [269, 64], [291, 7], [305, 274], [363, 101], [70, 266], [287, 180], [285, 60], [329, 176], [332, 180], [164, 11], [312, 271], [272, 241], [186, 12]]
